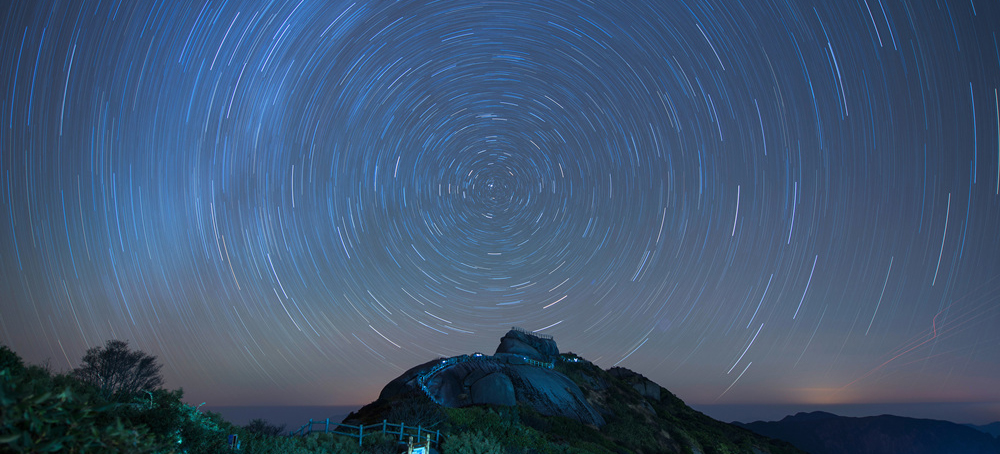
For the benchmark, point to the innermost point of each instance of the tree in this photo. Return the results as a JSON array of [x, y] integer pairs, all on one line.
[[119, 373], [10, 361], [40, 412], [260, 426]]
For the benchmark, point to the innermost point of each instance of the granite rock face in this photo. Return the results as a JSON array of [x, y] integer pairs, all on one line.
[[619, 410], [520, 372], [495, 389], [517, 342], [646, 387]]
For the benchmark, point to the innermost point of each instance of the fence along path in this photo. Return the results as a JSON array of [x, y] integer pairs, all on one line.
[[418, 433], [532, 333], [423, 377]]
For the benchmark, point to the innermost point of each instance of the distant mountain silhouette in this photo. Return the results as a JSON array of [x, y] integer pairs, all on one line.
[[528, 397], [826, 433], [992, 428]]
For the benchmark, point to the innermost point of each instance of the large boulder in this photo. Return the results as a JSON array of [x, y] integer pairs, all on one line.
[[407, 383], [554, 394], [495, 381], [537, 347], [646, 387], [494, 389], [520, 373]]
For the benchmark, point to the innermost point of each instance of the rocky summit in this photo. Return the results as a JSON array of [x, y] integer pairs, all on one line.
[[529, 397], [521, 371]]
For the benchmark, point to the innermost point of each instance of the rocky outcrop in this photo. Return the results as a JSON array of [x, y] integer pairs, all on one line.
[[646, 387], [524, 343], [520, 372], [470, 383], [494, 389], [491, 380], [607, 411]]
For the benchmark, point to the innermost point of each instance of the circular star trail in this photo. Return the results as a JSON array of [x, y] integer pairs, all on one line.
[[293, 202]]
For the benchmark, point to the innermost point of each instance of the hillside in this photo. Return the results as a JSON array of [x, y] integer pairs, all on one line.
[[527, 397]]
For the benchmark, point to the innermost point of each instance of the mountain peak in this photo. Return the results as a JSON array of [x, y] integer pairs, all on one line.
[[529, 391], [536, 346], [809, 416]]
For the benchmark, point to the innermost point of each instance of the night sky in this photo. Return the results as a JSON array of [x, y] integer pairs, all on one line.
[[291, 203]]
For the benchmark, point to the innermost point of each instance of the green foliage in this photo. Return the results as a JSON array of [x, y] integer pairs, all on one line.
[[266, 444], [42, 412], [332, 443], [519, 429], [472, 443], [499, 423], [416, 411], [36, 417], [173, 425], [570, 434], [10, 361], [159, 411], [380, 443]]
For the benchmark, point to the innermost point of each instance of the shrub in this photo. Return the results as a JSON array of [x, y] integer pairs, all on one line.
[[380, 443], [319, 442], [10, 361], [40, 412], [501, 424], [472, 443], [37, 418], [416, 411]]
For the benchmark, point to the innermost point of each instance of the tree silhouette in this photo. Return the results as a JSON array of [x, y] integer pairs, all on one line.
[[261, 427], [119, 373]]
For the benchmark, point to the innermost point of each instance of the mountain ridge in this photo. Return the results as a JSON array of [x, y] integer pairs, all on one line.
[[528, 397], [826, 433]]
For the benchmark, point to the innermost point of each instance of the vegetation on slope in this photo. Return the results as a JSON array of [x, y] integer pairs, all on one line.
[[643, 424], [76, 412], [84, 411]]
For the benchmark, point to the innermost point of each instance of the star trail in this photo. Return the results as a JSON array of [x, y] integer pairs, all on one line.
[[292, 202]]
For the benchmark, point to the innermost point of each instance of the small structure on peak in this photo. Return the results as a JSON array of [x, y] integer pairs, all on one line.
[[536, 346]]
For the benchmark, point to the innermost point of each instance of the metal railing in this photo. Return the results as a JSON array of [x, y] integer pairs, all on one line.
[[448, 362], [418, 432], [531, 333], [360, 431]]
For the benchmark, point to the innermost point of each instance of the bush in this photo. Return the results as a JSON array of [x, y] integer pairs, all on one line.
[[380, 443], [416, 411], [10, 361], [472, 443], [38, 418], [501, 424], [319, 442], [42, 412]]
